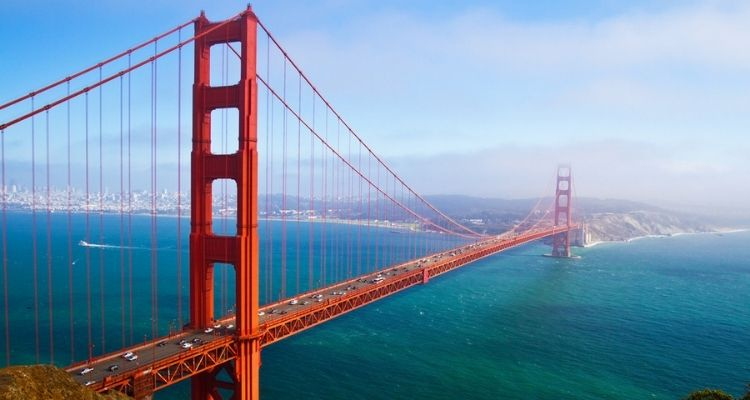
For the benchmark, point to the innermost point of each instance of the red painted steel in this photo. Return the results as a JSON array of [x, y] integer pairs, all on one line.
[[563, 198], [207, 248], [217, 354]]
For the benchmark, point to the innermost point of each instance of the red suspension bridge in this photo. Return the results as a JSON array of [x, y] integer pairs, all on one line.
[[293, 221]]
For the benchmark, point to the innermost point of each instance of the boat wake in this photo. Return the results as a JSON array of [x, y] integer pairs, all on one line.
[[84, 243]]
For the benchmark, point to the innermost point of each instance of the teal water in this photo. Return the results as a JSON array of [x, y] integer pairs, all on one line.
[[650, 319], [317, 255], [654, 318]]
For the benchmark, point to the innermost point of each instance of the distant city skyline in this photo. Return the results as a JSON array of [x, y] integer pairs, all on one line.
[[649, 101]]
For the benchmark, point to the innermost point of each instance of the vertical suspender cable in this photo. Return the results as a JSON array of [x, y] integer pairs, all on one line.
[[154, 189], [369, 227], [103, 331], [179, 181], [268, 258], [350, 208], [360, 214], [90, 342], [323, 243], [337, 208], [122, 224], [272, 275], [310, 232], [350, 212], [130, 209], [283, 189], [49, 249], [71, 316], [33, 233], [5, 252], [299, 170], [377, 216]]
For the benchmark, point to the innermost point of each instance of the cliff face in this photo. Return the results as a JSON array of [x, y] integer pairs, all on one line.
[[628, 225], [45, 382]]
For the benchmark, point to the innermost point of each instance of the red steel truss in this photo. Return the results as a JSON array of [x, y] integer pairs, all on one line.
[[222, 353]]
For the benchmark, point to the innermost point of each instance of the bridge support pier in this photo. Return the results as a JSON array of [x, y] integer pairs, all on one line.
[[561, 241], [206, 247], [425, 276]]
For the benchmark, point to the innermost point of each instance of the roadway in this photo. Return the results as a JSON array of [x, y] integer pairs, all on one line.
[[166, 348]]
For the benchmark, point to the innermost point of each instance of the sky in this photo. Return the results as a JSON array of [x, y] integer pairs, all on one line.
[[648, 100]]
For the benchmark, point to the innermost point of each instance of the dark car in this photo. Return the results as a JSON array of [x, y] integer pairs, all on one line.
[[113, 368]]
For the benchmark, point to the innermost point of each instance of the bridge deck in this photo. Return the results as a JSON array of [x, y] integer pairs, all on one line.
[[164, 361]]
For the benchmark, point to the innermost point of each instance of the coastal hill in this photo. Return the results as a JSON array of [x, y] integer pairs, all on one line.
[[45, 382], [605, 219]]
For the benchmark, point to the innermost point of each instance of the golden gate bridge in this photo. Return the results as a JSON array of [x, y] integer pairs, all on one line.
[[293, 221]]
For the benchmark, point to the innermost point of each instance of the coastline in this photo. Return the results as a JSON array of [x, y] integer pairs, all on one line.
[[656, 236]]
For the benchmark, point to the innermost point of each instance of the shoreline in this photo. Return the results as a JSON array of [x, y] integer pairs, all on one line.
[[657, 236]]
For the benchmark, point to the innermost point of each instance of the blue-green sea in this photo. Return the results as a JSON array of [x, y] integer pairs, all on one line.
[[649, 319]]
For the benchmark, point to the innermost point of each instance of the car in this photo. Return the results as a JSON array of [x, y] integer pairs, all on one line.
[[261, 313], [89, 383], [197, 340], [304, 303], [162, 343], [319, 300], [293, 302], [186, 345], [132, 357], [181, 342], [208, 330], [230, 326], [127, 355], [113, 368], [86, 370], [217, 326]]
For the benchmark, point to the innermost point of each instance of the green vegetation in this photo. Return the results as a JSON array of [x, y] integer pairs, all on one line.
[[45, 382], [713, 394]]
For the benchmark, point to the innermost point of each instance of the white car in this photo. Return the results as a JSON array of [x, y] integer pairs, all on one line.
[[230, 326], [261, 313], [128, 354], [208, 330], [89, 383], [217, 326], [187, 345], [86, 370], [294, 301], [132, 357]]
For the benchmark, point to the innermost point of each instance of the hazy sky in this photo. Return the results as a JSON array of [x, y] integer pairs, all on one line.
[[649, 100]]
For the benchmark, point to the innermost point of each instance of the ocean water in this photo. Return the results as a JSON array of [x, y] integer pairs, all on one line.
[[47, 275], [650, 319]]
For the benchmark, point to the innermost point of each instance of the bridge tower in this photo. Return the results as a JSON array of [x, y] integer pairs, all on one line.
[[563, 197], [206, 247]]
